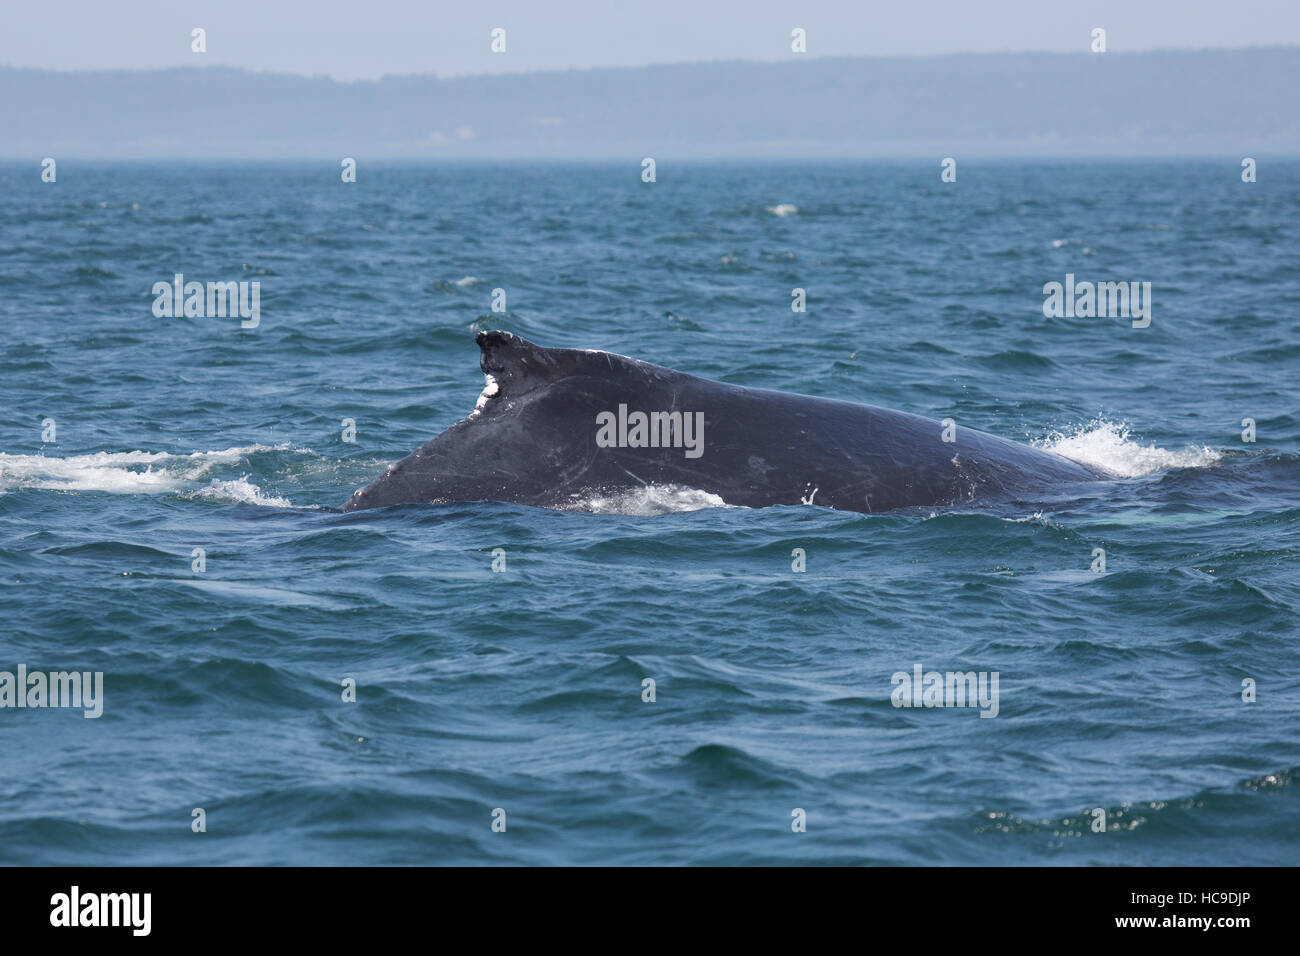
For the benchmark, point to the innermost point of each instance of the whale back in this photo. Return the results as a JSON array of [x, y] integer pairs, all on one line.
[[555, 427]]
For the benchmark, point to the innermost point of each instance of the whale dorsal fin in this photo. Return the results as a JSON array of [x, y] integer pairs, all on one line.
[[516, 364]]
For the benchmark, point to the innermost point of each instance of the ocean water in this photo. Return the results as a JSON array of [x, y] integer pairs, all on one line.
[[1119, 691]]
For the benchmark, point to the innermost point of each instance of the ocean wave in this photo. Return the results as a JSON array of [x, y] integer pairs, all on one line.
[[239, 491], [1179, 814], [261, 594]]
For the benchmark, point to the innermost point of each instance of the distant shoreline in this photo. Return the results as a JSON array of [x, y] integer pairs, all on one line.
[[1235, 102]]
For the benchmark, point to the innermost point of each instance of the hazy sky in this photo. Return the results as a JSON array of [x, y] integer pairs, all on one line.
[[355, 39]]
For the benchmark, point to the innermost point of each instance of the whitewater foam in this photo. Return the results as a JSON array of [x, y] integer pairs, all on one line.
[[138, 472], [239, 491], [1107, 445], [648, 500]]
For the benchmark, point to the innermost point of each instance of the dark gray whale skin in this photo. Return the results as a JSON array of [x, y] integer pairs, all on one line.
[[534, 442]]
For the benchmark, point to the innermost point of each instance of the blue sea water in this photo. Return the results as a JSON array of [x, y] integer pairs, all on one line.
[[1119, 690]]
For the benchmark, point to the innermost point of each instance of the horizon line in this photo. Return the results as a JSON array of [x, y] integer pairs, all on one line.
[[783, 61]]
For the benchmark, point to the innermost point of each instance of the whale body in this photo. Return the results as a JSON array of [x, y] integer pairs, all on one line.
[[555, 427]]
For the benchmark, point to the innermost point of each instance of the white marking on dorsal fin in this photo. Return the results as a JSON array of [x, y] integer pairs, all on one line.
[[490, 390]]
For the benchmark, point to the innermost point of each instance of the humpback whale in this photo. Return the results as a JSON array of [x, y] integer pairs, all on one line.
[[554, 427]]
